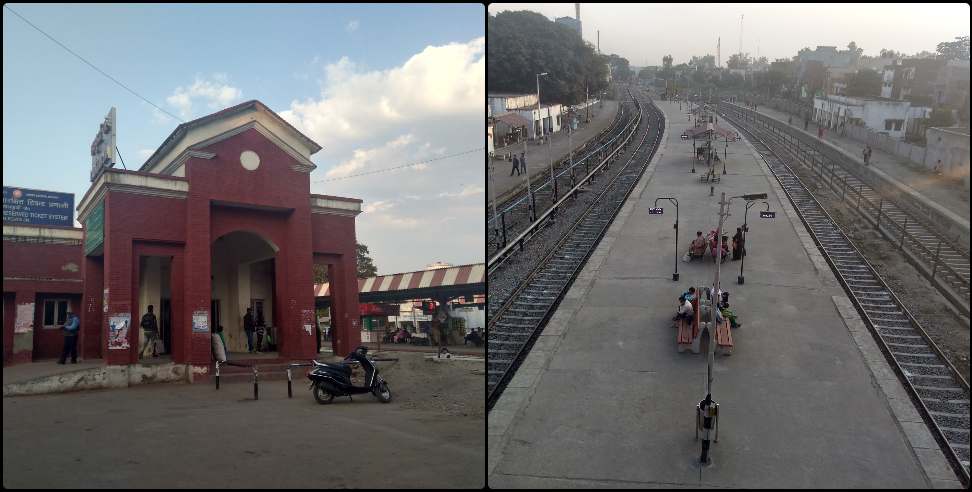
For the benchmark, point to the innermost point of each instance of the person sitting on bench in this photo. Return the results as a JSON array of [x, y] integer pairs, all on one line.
[[728, 314], [685, 310], [689, 295], [697, 248]]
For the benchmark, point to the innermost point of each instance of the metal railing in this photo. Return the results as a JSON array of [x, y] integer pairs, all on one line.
[[629, 132], [928, 260]]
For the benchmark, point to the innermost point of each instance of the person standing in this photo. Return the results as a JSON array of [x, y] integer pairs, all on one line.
[[864, 154], [523, 162], [738, 244], [150, 327], [248, 328], [71, 329], [516, 166]]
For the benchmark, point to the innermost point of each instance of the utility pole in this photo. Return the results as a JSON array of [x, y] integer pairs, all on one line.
[[716, 298], [741, 33]]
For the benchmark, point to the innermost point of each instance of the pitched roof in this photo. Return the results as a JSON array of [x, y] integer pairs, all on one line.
[[184, 128]]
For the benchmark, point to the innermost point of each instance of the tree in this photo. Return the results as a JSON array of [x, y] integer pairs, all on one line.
[[940, 117], [667, 62], [864, 83], [954, 50], [885, 53], [366, 266], [814, 75], [620, 67], [522, 44], [738, 60]]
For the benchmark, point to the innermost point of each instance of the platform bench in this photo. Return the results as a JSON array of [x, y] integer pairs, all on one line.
[[724, 337]]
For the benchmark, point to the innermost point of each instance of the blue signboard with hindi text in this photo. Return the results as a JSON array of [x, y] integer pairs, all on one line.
[[37, 207]]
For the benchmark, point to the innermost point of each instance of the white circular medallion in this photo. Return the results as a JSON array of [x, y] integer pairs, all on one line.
[[250, 160]]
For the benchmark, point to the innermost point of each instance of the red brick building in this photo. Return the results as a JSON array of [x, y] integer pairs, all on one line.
[[220, 218]]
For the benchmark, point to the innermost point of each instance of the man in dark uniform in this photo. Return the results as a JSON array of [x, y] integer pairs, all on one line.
[[248, 327]]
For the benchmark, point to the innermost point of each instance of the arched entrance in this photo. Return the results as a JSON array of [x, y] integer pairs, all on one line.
[[243, 270]]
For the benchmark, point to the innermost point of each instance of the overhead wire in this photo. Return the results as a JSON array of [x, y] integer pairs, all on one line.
[[387, 169], [102, 72]]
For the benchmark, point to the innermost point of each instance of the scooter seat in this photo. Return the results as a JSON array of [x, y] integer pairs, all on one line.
[[345, 368]]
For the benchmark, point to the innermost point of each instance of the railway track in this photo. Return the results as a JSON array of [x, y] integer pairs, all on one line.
[[937, 256], [517, 321], [514, 215], [938, 389]]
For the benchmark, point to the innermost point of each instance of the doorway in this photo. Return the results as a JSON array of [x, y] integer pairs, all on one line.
[[244, 276]]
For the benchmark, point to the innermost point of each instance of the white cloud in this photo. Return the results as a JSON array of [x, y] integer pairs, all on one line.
[[215, 93], [370, 120], [354, 105], [468, 190], [352, 26]]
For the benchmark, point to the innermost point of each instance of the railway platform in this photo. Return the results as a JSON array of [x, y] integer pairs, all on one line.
[[537, 163], [908, 176], [806, 399]]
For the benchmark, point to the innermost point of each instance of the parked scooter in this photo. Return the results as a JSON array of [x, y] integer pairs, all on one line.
[[330, 380]]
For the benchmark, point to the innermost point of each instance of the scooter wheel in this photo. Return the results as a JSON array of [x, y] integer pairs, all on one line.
[[322, 395], [383, 393]]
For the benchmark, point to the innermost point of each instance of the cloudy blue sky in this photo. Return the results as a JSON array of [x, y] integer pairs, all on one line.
[[377, 86]]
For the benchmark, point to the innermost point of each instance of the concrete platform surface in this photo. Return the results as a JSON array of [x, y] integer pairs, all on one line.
[[613, 403]]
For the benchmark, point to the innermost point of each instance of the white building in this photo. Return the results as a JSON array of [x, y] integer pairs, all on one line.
[[881, 115], [501, 103]]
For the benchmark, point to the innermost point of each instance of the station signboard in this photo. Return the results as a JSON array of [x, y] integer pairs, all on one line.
[[37, 207], [767, 215], [656, 211], [103, 146], [94, 230]]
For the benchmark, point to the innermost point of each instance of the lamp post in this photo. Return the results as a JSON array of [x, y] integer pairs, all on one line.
[[675, 201], [540, 120], [750, 201]]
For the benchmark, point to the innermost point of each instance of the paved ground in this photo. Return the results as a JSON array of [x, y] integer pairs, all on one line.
[[536, 155], [177, 435], [947, 193], [605, 400]]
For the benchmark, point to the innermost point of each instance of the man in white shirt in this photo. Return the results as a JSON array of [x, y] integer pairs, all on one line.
[[685, 309]]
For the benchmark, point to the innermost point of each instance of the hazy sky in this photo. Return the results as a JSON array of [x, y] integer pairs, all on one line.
[[377, 86], [644, 33]]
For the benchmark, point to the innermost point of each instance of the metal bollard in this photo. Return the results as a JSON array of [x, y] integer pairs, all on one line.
[[256, 379], [290, 385], [217, 374]]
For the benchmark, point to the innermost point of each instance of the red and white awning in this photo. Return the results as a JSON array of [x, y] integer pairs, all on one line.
[[440, 277]]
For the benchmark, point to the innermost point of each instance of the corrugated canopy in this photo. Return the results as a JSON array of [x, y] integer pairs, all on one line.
[[710, 127], [512, 119]]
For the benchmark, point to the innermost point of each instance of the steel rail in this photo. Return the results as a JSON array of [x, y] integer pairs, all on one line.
[[550, 279], [938, 389]]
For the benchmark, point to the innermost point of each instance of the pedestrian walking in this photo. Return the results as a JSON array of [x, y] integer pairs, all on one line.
[[150, 328], [248, 328], [523, 162], [516, 166], [71, 329], [864, 153], [869, 152]]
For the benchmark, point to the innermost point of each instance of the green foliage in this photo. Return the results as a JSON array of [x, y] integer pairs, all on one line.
[[522, 44], [620, 68], [864, 83], [954, 50], [738, 60], [941, 117], [366, 266]]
